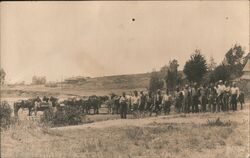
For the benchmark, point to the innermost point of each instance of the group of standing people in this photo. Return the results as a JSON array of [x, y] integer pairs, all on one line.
[[216, 97]]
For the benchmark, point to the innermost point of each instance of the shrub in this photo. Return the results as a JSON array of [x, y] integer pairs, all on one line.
[[5, 114], [48, 116], [69, 115], [73, 115]]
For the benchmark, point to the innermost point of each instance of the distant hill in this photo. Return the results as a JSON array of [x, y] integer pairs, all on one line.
[[74, 87], [132, 81]]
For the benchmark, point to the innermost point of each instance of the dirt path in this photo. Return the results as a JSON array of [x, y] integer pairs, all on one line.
[[173, 118]]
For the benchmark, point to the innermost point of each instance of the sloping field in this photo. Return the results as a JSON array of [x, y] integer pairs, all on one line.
[[97, 86], [173, 136]]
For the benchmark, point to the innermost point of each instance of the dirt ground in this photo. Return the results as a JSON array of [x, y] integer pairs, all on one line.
[[173, 136]]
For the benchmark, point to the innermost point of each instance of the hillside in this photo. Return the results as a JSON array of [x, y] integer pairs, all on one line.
[[117, 82], [98, 86]]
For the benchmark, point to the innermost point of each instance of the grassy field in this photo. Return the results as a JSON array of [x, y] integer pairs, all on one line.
[[173, 136]]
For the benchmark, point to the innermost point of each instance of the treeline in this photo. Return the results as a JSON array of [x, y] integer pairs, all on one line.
[[198, 69]]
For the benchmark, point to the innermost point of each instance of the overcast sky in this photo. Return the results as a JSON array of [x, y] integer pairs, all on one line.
[[62, 39]]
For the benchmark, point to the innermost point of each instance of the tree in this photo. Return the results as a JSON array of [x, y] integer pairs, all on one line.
[[209, 76], [233, 60], [212, 64], [164, 71], [155, 82], [234, 55], [171, 77], [231, 66], [221, 72], [2, 76], [196, 67]]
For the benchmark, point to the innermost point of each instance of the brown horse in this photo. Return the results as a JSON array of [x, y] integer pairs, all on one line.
[[33, 105], [29, 104]]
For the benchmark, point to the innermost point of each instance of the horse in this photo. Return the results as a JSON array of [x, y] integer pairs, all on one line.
[[33, 105], [94, 102], [29, 104], [54, 101]]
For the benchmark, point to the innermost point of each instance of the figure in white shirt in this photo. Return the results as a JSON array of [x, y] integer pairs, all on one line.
[[221, 88], [166, 102], [135, 101], [226, 96], [220, 91], [235, 92]]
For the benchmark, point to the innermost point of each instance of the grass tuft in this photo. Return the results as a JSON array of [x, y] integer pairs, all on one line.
[[218, 122]]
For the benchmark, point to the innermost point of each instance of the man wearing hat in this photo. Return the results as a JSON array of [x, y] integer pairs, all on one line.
[[235, 95], [123, 106], [158, 101], [187, 98], [226, 96], [149, 103], [135, 101], [212, 98], [166, 102], [203, 98], [142, 102], [178, 99], [220, 91], [195, 98]]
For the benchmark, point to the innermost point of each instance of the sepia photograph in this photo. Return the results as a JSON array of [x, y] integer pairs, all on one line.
[[124, 79]]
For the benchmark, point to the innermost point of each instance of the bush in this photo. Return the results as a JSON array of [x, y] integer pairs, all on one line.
[[69, 115], [48, 116], [5, 114]]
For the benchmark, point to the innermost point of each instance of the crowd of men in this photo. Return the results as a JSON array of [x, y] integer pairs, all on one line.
[[222, 96], [194, 98]]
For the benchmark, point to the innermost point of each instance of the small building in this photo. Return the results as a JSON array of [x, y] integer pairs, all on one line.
[[246, 71]]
